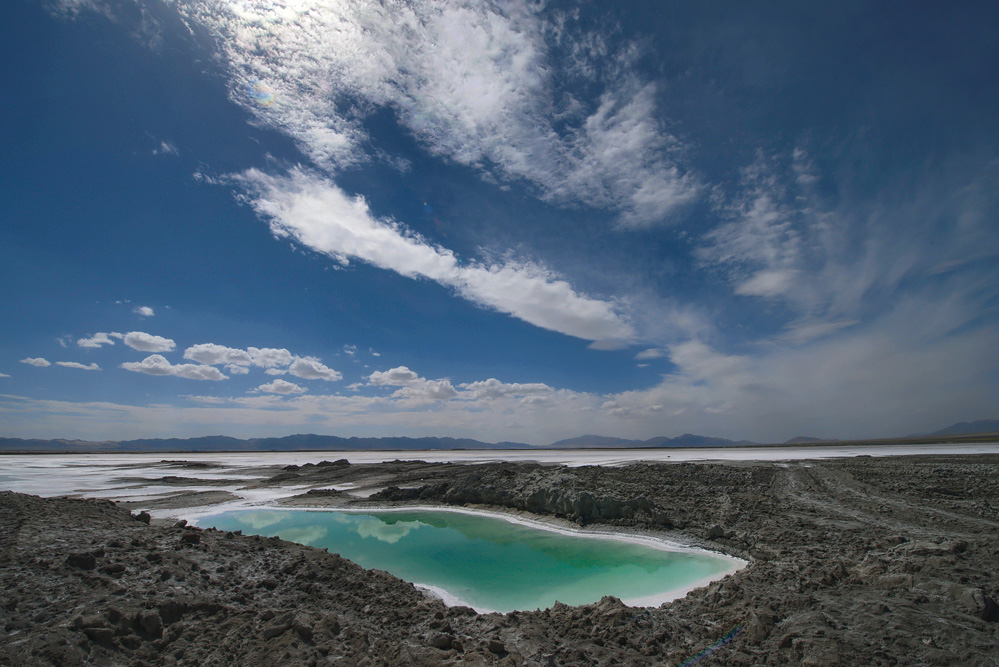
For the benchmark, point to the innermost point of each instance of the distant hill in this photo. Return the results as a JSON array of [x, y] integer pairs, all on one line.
[[586, 441], [967, 428], [803, 440], [220, 443], [685, 440]]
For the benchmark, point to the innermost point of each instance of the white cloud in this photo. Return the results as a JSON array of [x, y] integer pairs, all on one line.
[[156, 364], [281, 387], [166, 148], [144, 342], [213, 355], [83, 367], [493, 388], [268, 357], [412, 386], [427, 390], [760, 233], [350, 350], [322, 217], [400, 376], [311, 368], [4, 375], [767, 283], [36, 361], [144, 311], [99, 339], [651, 353], [608, 344], [807, 330], [472, 82], [237, 361]]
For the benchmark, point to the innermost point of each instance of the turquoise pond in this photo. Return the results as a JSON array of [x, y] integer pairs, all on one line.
[[485, 562]]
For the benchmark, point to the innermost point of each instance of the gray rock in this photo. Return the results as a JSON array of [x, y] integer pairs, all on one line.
[[276, 630], [100, 635], [151, 623], [84, 561]]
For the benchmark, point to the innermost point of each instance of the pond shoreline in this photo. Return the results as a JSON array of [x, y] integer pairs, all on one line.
[[733, 564]]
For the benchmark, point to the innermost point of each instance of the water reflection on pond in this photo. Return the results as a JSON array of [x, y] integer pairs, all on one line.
[[486, 562]]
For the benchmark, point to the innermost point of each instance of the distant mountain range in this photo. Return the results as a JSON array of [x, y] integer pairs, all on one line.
[[685, 440], [967, 428], [221, 443], [312, 442]]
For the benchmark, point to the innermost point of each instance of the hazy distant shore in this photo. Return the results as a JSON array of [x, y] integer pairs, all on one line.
[[320, 444]]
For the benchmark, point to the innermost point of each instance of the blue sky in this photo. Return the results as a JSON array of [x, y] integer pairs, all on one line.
[[507, 221]]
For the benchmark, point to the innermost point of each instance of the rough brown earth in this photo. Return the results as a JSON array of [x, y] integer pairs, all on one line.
[[864, 561]]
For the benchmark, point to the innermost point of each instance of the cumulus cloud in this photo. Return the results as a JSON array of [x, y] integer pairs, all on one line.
[[281, 387], [268, 357], [400, 376], [156, 364], [311, 368], [412, 386], [493, 388], [144, 311], [144, 342], [36, 361], [322, 217], [83, 367], [651, 353], [213, 355], [233, 369], [99, 339]]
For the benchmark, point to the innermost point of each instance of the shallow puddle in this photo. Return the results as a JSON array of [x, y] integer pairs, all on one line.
[[490, 563]]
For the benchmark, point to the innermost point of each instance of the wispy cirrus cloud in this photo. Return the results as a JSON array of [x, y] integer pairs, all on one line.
[[82, 367], [472, 82], [320, 216]]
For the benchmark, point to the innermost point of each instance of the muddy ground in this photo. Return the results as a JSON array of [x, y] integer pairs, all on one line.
[[863, 561]]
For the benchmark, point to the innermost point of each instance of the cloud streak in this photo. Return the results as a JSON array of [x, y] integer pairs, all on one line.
[[320, 216], [82, 367]]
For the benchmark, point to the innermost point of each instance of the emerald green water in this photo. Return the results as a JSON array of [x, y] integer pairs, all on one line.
[[484, 562]]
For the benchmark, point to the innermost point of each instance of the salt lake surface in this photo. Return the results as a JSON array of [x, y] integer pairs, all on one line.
[[100, 475], [489, 563]]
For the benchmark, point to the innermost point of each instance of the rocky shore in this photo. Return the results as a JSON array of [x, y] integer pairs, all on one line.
[[860, 561]]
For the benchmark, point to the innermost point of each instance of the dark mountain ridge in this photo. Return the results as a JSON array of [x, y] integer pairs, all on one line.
[[314, 442]]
